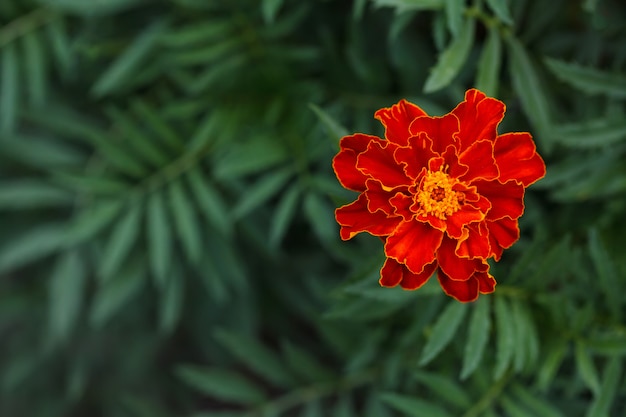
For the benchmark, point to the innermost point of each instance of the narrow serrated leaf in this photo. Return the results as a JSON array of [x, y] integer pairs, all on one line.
[[186, 221], [211, 203], [588, 80], [591, 133], [159, 238], [303, 364], [32, 194], [284, 214], [127, 63], [413, 407], [35, 69], [172, 298], [221, 384], [30, 246], [121, 241], [586, 368], [480, 324], [607, 274], [255, 356], [65, 295], [488, 72], [115, 293], [501, 9], [538, 406], [336, 130], [261, 191], [9, 89], [320, 215], [270, 9], [446, 388], [443, 330], [505, 336], [452, 59], [454, 15], [92, 220], [527, 85], [602, 404]]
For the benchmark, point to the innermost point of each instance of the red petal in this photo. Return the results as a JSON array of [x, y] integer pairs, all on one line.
[[378, 162], [457, 269], [476, 245], [507, 200], [378, 198], [415, 157], [479, 117], [463, 291], [503, 233], [402, 203], [397, 119], [355, 218], [479, 158], [394, 273], [441, 130], [517, 158], [344, 162], [486, 283], [414, 244], [464, 216]]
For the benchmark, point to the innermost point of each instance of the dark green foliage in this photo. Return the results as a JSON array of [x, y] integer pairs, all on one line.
[[167, 241]]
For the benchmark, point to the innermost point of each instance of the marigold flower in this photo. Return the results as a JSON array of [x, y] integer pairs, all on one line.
[[443, 193]]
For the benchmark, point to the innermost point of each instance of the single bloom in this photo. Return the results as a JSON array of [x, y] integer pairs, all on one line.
[[443, 193]]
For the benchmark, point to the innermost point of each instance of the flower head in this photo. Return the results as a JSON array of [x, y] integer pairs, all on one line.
[[443, 193]]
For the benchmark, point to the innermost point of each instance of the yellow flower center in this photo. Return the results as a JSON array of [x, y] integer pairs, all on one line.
[[436, 196]]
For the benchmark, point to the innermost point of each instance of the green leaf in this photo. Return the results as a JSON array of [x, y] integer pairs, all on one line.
[[586, 368], [452, 59], [210, 201], [61, 46], [343, 407], [304, 365], [553, 360], [65, 295], [172, 298], [122, 240], [31, 245], [528, 86], [336, 130], [607, 273], [588, 80], [320, 215], [159, 239], [446, 388], [265, 188], [501, 9], [91, 221], [221, 384], [249, 158], [312, 409], [255, 356], [198, 33], [186, 221], [443, 330], [454, 15], [412, 406], [513, 409], [488, 72], [92, 185], [32, 194], [601, 405], [406, 5], [9, 89], [127, 63], [93, 8], [115, 293], [590, 133], [480, 325], [35, 69], [270, 9], [157, 123], [206, 133], [43, 153], [539, 406], [505, 340], [144, 147], [285, 212]]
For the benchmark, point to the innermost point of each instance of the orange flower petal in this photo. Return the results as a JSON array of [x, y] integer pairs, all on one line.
[[378, 162], [503, 233], [440, 130], [354, 218], [517, 158], [463, 291], [415, 157], [476, 244], [486, 283], [479, 117], [378, 198], [457, 221], [507, 200], [414, 244], [457, 269], [478, 157], [344, 163], [397, 119], [394, 273]]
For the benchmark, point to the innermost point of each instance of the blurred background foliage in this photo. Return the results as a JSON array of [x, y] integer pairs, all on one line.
[[167, 240]]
